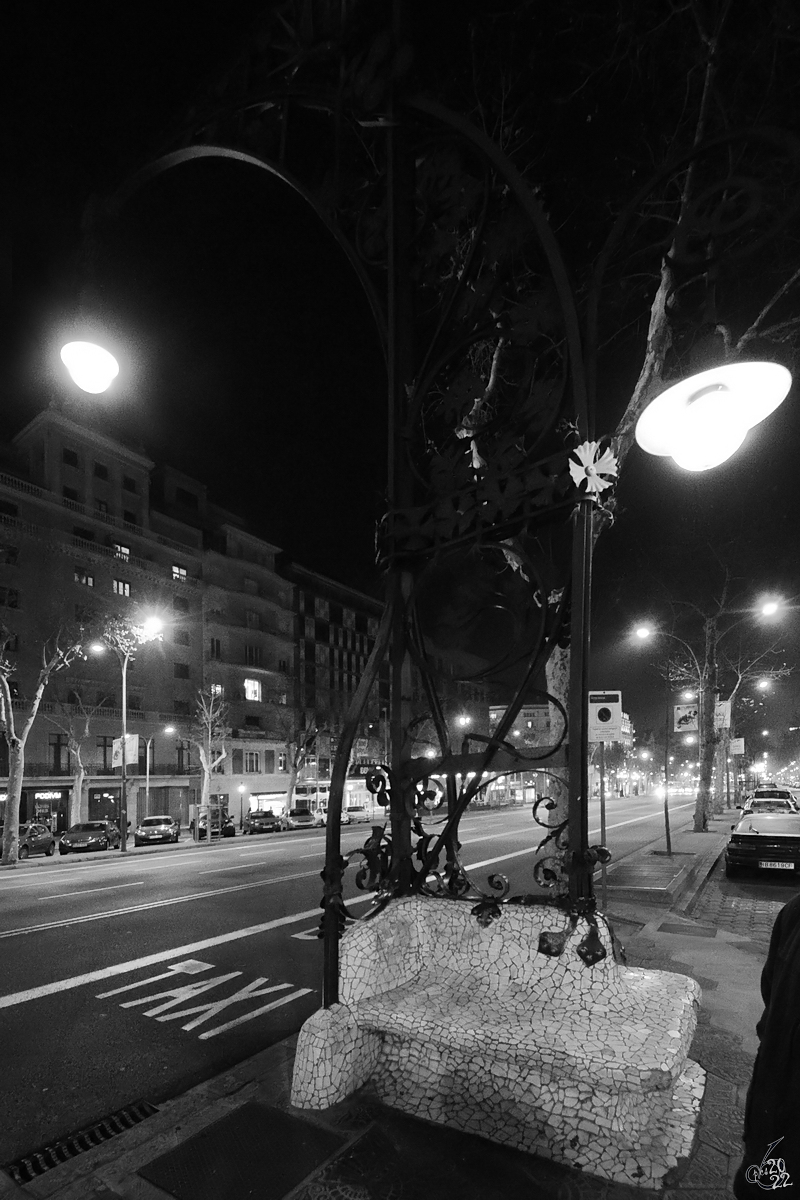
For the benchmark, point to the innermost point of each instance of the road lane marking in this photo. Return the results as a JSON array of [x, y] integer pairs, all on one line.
[[134, 908], [150, 960], [190, 967], [86, 891], [249, 1016], [208, 1011]]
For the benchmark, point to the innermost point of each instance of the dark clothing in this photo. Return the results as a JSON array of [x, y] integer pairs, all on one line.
[[772, 1110]]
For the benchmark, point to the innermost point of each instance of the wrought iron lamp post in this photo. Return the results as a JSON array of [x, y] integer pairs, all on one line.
[[489, 466]]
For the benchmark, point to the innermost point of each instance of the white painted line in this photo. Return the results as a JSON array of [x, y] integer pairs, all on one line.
[[86, 891], [190, 967], [149, 960], [249, 1016], [132, 908]]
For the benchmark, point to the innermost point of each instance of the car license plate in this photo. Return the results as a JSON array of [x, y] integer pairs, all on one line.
[[77, 844], [777, 866]]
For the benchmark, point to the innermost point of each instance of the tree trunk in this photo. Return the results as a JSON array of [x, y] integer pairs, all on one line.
[[75, 814], [16, 770]]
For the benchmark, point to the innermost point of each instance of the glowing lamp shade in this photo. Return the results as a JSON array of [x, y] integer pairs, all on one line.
[[90, 366], [703, 420]]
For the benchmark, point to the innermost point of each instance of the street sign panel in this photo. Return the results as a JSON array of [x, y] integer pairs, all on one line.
[[605, 717], [686, 718], [737, 745], [722, 714]]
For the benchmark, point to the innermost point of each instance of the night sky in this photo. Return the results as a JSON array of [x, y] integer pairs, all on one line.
[[248, 353]]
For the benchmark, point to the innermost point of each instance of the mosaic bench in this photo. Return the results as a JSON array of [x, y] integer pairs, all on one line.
[[476, 1028]]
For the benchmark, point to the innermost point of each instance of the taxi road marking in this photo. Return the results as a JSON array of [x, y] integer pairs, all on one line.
[[201, 1013]]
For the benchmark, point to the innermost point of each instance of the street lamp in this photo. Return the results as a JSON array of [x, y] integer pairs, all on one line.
[[124, 639], [91, 367]]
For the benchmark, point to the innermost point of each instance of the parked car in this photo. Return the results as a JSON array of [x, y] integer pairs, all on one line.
[[35, 839], [156, 829], [321, 816], [223, 826], [764, 841], [772, 799], [261, 821], [90, 835], [298, 818], [357, 812]]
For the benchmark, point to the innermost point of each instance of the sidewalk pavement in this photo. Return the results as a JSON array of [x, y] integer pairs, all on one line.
[[237, 1135]]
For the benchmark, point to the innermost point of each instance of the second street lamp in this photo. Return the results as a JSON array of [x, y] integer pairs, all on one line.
[[124, 638]]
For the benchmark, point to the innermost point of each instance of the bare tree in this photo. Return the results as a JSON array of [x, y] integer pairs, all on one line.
[[58, 652], [73, 717], [210, 732], [718, 669]]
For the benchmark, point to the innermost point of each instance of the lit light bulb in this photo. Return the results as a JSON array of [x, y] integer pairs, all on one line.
[[90, 366]]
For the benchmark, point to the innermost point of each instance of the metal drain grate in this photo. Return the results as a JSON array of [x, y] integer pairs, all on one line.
[[29, 1166]]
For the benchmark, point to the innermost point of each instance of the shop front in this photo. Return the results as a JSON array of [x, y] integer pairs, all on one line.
[[48, 806], [104, 804]]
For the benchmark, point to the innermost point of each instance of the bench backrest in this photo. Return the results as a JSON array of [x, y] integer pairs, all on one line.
[[419, 938]]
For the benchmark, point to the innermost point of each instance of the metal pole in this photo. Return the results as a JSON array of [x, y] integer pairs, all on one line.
[[123, 804], [666, 776], [581, 891], [603, 822], [147, 744]]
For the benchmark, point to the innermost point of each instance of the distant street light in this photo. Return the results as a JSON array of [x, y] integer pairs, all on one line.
[[124, 638]]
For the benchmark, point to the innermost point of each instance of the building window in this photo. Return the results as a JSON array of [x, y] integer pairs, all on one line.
[[269, 762], [282, 760], [251, 585], [121, 588], [252, 722], [105, 746], [181, 708], [251, 617], [251, 762], [252, 656], [182, 637], [70, 458], [128, 483], [121, 551], [100, 472], [181, 670], [184, 758], [180, 604], [130, 518], [252, 689], [135, 702], [86, 535], [59, 757], [9, 597], [217, 690], [178, 573], [84, 577], [283, 664], [101, 506], [214, 648], [8, 510], [70, 494]]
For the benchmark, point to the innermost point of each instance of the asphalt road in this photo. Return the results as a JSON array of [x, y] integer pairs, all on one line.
[[135, 977]]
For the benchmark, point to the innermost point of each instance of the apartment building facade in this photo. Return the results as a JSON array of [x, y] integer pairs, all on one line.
[[88, 526]]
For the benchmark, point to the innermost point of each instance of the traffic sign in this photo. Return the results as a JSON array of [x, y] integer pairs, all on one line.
[[605, 716]]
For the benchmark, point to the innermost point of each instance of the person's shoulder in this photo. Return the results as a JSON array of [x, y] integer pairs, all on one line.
[[789, 916]]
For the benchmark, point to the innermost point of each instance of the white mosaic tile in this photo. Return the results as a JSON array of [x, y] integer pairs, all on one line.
[[472, 1027]]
